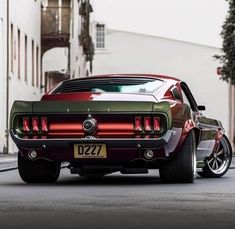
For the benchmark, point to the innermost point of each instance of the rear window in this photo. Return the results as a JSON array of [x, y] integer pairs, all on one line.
[[109, 85]]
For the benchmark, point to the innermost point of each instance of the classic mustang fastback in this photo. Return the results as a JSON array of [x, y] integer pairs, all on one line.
[[129, 123]]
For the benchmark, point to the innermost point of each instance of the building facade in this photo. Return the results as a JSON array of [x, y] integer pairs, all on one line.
[[3, 73], [42, 44], [70, 44], [20, 59], [125, 52]]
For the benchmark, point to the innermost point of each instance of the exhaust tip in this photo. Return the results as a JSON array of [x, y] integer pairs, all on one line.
[[32, 154], [149, 154]]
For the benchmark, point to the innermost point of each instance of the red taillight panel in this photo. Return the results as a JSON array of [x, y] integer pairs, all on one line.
[[138, 124], [147, 124], [26, 125], [35, 124], [156, 124], [44, 124]]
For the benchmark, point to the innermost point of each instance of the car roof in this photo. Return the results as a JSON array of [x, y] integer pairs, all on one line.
[[128, 75]]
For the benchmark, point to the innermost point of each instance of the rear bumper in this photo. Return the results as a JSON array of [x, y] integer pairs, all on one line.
[[118, 150], [111, 143]]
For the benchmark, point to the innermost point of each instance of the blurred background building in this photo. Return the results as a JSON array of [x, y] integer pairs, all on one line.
[[127, 52]]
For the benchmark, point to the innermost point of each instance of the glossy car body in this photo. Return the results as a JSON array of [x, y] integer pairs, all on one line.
[[140, 130]]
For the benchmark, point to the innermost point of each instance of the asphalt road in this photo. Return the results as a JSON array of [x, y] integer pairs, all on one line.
[[117, 201]]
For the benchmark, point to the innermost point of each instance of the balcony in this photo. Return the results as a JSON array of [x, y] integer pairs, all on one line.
[[55, 26]]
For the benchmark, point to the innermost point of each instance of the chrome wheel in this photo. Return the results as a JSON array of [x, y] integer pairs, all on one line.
[[219, 161], [220, 158]]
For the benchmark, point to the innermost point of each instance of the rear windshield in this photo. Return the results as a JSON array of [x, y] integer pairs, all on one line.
[[109, 85]]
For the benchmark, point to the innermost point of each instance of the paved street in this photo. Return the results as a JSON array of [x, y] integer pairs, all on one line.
[[117, 201]]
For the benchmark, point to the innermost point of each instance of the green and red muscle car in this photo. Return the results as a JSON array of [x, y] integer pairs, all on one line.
[[129, 123]]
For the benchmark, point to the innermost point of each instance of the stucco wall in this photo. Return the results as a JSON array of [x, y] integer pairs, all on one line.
[[25, 15], [55, 59], [78, 63], [135, 53], [3, 69]]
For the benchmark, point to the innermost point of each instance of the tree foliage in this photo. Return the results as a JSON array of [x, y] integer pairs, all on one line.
[[228, 34]]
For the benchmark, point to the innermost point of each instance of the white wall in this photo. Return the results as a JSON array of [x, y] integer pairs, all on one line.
[[78, 65], [55, 59], [135, 53], [3, 70], [25, 15]]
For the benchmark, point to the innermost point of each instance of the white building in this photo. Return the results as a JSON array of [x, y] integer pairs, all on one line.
[[3, 73], [126, 52], [36, 30], [20, 58]]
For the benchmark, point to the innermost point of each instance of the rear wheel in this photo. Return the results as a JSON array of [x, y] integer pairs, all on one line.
[[183, 168], [40, 171], [219, 161]]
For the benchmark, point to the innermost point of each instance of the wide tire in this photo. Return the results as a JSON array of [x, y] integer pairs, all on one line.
[[183, 168], [219, 161], [40, 171]]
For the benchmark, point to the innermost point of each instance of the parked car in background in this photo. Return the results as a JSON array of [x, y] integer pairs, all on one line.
[[129, 123]]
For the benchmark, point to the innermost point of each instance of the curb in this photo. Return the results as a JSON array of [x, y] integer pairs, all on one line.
[[8, 169], [8, 160], [15, 167]]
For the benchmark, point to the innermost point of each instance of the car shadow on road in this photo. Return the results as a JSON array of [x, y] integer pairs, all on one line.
[[111, 180]]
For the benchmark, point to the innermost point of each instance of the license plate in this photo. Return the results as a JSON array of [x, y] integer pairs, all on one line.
[[90, 151]]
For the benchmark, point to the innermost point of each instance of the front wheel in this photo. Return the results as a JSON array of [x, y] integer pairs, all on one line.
[[40, 171], [219, 161], [183, 168]]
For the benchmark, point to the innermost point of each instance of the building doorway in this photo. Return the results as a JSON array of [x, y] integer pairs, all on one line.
[[53, 78]]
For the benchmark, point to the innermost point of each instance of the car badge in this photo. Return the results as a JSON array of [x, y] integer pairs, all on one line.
[[89, 125]]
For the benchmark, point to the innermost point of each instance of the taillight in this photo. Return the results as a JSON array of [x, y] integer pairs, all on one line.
[[44, 124], [156, 124], [26, 124], [138, 124], [35, 124], [147, 124]]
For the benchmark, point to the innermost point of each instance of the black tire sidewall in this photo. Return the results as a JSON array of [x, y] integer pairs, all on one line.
[[39, 171]]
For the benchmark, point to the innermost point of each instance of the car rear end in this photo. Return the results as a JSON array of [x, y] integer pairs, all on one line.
[[56, 130], [91, 129]]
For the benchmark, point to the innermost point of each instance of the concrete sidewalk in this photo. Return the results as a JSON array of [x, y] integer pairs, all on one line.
[[8, 162]]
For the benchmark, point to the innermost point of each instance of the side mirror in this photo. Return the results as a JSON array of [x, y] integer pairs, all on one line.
[[201, 108]]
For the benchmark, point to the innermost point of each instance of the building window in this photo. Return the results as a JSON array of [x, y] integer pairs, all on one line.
[[100, 36], [12, 49], [33, 63], [19, 53], [37, 66], [25, 58]]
